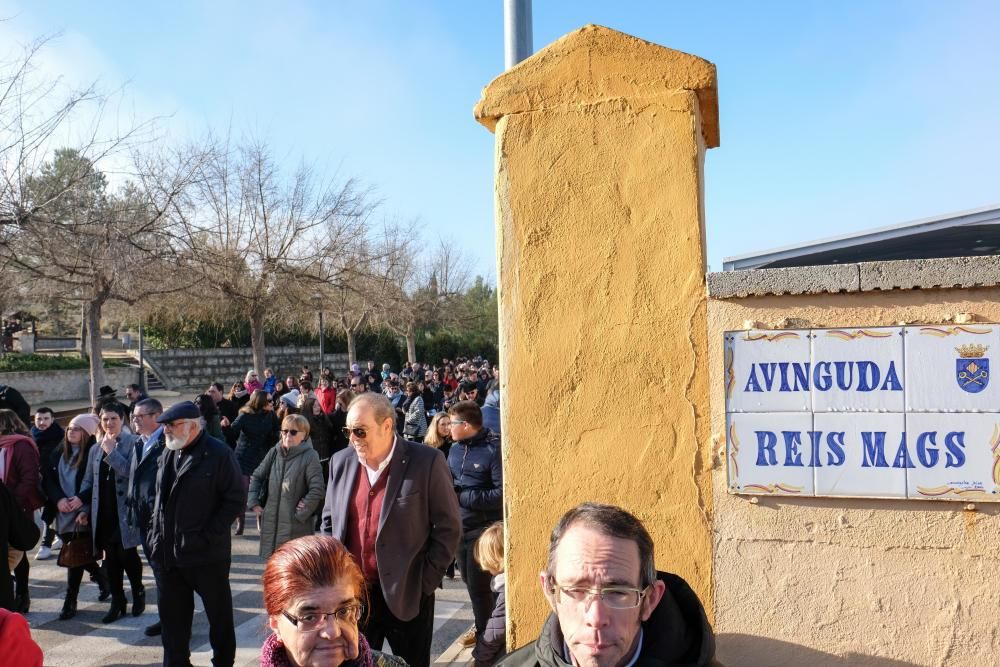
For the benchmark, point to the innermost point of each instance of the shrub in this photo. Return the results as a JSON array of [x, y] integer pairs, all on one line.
[[13, 362]]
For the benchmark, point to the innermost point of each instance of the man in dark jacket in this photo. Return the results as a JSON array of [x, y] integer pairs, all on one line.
[[48, 435], [388, 501], [199, 493], [143, 468], [610, 606], [477, 471]]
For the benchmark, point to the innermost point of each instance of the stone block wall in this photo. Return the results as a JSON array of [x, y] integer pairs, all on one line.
[[38, 387], [183, 369]]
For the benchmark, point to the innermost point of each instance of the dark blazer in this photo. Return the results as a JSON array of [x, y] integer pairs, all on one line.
[[142, 483], [418, 530], [195, 505]]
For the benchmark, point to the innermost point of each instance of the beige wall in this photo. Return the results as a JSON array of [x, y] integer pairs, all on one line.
[[850, 582], [600, 142]]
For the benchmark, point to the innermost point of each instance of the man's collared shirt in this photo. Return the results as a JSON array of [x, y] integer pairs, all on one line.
[[374, 473], [147, 443]]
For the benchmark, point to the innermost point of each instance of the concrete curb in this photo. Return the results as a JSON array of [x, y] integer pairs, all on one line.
[[941, 273]]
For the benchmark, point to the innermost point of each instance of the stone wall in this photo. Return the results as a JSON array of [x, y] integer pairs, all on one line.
[[183, 369], [38, 387]]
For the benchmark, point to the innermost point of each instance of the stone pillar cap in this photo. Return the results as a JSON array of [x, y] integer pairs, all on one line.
[[593, 64]]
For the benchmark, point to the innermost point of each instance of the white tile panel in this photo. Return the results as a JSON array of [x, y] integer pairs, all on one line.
[[768, 453], [760, 371], [864, 458], [960, 457], [939, 379], [857, 370]]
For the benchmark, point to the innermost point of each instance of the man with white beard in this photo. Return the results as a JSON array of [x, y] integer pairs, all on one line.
[[199, 493]]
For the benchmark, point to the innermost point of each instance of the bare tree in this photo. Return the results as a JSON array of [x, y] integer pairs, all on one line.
[[423, 288], [76, 239], [263, 240]]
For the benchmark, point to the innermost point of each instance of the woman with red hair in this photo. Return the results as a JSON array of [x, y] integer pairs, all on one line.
[[314, 597]]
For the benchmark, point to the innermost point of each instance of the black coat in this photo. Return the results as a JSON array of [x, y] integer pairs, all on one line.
[[478, 478], [255, 433], [199, 493], [17, 530]]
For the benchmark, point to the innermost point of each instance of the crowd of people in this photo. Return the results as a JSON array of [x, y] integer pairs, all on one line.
[[367, 490]]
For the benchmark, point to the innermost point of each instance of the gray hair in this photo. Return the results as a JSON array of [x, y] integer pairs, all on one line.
[[610, 521], [378, 403]]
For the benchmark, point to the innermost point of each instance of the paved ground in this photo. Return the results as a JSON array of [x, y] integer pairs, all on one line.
[[84, 641]]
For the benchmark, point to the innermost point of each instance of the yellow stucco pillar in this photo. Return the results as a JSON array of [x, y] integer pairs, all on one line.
[[600, 144]]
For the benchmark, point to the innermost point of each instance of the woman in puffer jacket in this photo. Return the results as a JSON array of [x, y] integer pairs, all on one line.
[[287, 488]]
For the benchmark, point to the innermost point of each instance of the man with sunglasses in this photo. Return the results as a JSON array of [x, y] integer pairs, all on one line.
[[611, 607], [390, 502]]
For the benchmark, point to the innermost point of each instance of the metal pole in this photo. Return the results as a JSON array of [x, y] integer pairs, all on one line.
[[517, 31], [321, 355], [142, 365]]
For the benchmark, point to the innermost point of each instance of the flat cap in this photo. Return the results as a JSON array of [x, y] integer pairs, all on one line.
[[182, 410]]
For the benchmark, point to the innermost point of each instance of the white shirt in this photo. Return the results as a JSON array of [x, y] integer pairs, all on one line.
[[375, 473], [147, 443]]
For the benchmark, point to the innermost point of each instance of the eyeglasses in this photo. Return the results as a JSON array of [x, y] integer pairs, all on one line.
[[315, 620], [457, 422], [289, 431], [614, 597], [360, 433]]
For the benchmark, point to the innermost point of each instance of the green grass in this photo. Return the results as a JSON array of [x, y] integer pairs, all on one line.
[[13, 362]]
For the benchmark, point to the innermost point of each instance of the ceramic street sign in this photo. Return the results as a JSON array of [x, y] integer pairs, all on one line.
[[900, 412]]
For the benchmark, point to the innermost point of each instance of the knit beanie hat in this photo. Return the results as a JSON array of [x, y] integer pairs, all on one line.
[[88, 422]]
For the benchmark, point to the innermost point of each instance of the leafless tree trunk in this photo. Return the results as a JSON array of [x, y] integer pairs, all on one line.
[[94, 347]]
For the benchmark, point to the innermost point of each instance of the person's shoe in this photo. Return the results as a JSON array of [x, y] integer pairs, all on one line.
[[44, 553], [153, 630], [138, 601], [57, 543], [69, 606], [118, 607], [22, 602], [102, 583], [468, 639]]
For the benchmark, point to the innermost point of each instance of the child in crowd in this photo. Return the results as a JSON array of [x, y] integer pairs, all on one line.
[[492, 645], [47, 435]]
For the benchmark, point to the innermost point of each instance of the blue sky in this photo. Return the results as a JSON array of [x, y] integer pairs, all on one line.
[[834, 117]]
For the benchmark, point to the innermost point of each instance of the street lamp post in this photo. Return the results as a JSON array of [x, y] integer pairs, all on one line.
[[318, 302], [517, 31]]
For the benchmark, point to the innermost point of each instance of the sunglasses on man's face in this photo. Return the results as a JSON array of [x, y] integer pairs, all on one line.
[[289, 431], [359, 433]]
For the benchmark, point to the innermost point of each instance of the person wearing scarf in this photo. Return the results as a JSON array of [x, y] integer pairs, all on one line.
[[313, 594]]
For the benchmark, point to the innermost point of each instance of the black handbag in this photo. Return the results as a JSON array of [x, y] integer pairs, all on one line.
[[77, 551]]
